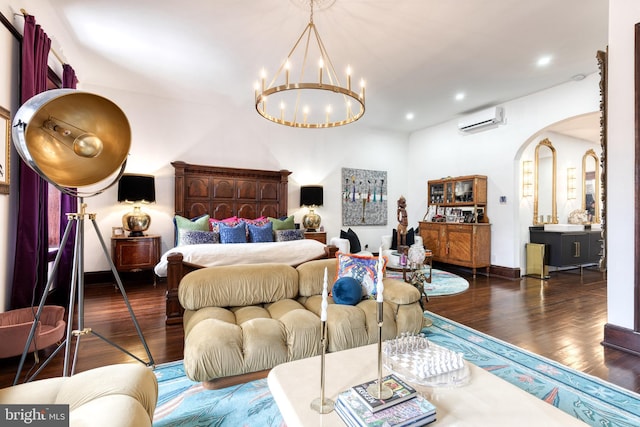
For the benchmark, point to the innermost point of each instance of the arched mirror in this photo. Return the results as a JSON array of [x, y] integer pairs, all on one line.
[[591, 185], [544, 189]]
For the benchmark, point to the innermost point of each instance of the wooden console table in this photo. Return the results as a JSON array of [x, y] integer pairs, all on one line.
[[467, 245]]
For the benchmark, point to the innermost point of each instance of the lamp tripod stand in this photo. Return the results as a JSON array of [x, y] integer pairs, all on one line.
[[77, 289]]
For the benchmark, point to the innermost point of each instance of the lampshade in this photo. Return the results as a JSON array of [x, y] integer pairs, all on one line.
[[311, 195], [136, 189]]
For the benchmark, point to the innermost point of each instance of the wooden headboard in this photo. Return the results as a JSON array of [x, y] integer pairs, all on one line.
[[225, 192]]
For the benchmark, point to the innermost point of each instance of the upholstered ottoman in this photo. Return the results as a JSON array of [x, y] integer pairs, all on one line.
[[247, 318]]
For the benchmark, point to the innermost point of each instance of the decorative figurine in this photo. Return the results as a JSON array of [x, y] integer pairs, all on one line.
[[403, 222]]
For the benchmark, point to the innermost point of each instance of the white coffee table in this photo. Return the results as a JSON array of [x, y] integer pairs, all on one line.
[[486, 401]]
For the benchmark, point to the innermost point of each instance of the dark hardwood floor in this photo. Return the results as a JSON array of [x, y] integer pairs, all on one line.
[[561, 318]]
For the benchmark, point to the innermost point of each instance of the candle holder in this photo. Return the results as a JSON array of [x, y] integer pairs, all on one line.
[[377, 389], [320, 404]]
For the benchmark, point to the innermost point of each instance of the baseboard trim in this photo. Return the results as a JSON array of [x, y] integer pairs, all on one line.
[[102, 277], [506, 272], [620, 338], [494, 270], [95, 277]]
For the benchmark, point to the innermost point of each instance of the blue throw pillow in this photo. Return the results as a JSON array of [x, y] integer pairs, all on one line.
[[347, 291], [260, 233], [233, 234]]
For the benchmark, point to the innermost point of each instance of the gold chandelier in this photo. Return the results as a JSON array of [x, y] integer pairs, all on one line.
[[301, 103]]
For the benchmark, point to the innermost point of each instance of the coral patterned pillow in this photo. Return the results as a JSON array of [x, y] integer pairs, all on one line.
[[362, 268], [258, 221]]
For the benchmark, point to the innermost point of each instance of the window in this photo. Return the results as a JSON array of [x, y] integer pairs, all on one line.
[[53, 212]]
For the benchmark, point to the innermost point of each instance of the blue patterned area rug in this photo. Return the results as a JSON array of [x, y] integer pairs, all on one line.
[[442, 282], [590, 399], [185, 403], [182, 402]]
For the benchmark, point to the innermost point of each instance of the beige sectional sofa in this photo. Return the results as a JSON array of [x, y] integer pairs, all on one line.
[[121, 395], [241, 319]]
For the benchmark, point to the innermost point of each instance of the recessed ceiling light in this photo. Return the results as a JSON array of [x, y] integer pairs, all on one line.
[[460, 96], [544, 61], [410, 116], [578, 77]]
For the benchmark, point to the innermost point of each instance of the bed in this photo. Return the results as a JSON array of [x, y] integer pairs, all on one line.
[[220, 193]]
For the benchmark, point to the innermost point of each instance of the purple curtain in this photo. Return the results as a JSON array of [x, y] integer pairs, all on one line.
[[68, 204], [30, 266]]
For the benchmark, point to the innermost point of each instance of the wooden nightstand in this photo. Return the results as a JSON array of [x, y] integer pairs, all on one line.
[[132, 254], [320, 236]]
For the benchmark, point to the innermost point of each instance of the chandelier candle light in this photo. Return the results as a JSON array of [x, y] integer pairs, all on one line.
[[377, 389], [301, 103], [322, 405]]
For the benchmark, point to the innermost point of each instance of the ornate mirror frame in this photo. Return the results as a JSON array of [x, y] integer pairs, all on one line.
[[601, 56], [596, 187], [536, 182]]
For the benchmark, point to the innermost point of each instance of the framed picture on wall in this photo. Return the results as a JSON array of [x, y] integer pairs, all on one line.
[[5, 145], [364, 197]]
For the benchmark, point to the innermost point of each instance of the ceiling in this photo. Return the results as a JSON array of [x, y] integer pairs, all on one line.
[[415, 55]]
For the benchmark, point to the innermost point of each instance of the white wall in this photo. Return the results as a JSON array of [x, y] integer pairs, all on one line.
[[623, 15], [164, 130], [442, 151], [9, 96]]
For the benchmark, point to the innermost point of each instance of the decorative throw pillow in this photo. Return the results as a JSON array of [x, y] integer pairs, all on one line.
[[198, 237], [352, 237], [362, 268], [411, 238], [288, 235], [347, 291], [279, 224], [233, 234], [214, 224], [200, 223], [258, 221], [260, 233]]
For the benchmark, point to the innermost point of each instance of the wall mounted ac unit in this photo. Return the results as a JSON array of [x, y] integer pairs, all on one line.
[[482, 120]]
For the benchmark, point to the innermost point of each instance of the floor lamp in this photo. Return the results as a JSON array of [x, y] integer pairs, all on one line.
[[74, 139]]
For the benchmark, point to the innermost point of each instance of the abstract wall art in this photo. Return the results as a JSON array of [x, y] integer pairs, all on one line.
[[364, 197]]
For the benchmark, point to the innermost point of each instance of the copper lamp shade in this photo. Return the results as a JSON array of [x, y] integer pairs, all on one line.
[[72, 139], [136, 189], [311, 196]]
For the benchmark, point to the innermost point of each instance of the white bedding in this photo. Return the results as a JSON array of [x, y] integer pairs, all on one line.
[[292, 253]]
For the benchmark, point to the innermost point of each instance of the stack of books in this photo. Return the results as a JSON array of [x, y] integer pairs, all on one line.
[[405, 408]]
